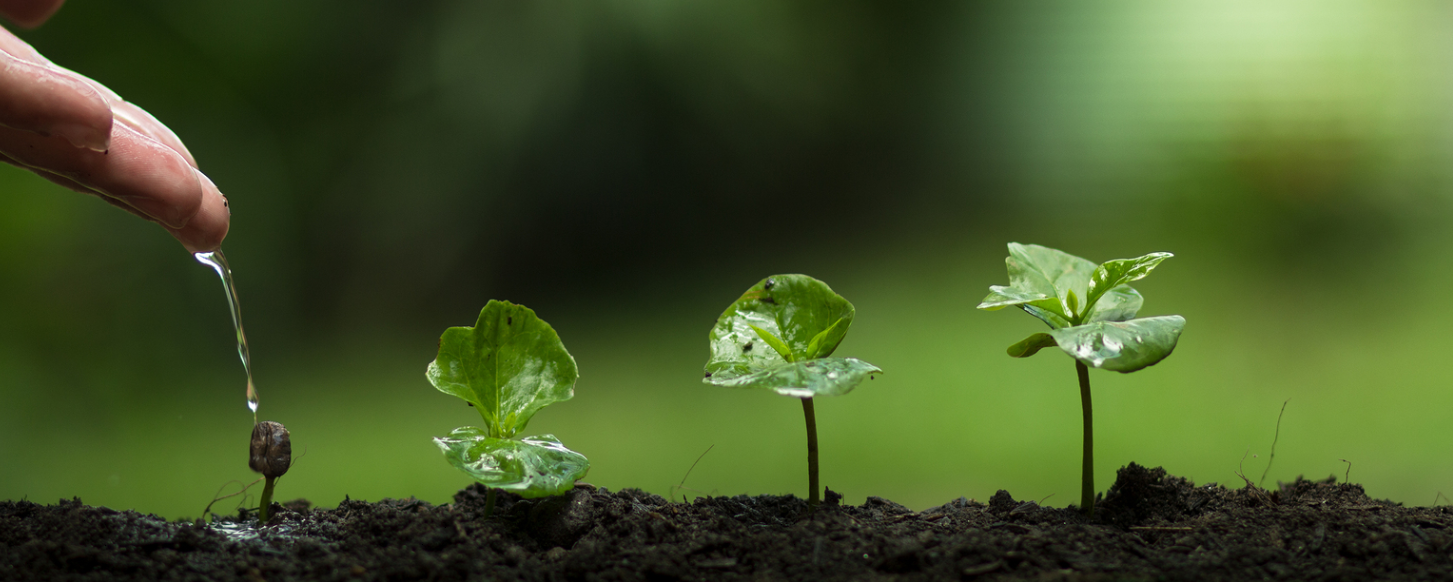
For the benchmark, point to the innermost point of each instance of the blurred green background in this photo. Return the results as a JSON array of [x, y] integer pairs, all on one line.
[[628, 168]]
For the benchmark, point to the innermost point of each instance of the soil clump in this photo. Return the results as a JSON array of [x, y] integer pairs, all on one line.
[[1148, 526]]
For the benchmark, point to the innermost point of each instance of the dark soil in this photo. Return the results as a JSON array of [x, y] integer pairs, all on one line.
[[1149, 526]]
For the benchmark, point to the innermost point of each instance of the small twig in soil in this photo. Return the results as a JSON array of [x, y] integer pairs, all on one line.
[[1241, 466], [1440, 494], [220, 497], [682, 484], [1347, 477], [1272, 458]]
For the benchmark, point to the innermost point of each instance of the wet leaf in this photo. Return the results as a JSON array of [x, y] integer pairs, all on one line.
[[1031, 345], [1112, 274], [820, 377], [808, 318], [531, 467], [509, 366], [1122, 346], [1117, 304], [1040, 282]]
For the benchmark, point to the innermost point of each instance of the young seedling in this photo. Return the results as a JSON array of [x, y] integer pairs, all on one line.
[[271, 453], [508, 366], [778, 336], [1098, 331]]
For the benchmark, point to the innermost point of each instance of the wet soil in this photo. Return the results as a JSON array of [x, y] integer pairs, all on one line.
[[1150, 526]]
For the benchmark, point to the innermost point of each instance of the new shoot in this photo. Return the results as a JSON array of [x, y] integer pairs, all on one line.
[[778, 336], [270, 453], [508, 366], [1090, 310]]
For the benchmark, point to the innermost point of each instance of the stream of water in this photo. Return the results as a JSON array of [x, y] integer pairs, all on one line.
[[218, 262]]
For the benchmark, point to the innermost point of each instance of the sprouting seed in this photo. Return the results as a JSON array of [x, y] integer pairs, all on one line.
[[270, 453]]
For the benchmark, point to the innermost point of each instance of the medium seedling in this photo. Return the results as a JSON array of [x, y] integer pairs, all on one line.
[[508, 366], [778, 336], [1098, 332]]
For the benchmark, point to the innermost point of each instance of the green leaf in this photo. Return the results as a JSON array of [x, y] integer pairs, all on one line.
[[1040, 281], [531, 467], [1031, 345], [775, 342], [1117, 304], [1054, 319], [815, 348], [796, 309], [1122, 346], [1112, 274], [509, 366], [820, 377]]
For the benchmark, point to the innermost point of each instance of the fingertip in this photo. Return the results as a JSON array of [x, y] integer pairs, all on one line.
[[206, 230], [30, 14]]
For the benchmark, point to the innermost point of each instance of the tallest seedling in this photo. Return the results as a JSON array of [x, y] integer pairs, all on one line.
[[1090, 311]]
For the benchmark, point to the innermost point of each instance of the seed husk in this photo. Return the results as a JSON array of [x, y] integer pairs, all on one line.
[[271, 450]]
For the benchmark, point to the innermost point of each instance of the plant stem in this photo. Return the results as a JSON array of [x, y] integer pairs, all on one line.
[[1087, 476], [812, 499], [265, 512], [488, 502]]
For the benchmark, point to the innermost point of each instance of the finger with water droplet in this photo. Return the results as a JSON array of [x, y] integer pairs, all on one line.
[[37, 98], [138, 171]]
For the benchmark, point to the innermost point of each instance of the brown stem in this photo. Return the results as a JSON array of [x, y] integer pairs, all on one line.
[[488, 502], [1087, 475], [812, 499]]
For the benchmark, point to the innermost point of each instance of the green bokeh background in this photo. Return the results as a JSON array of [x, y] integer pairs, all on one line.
[[627, 168]]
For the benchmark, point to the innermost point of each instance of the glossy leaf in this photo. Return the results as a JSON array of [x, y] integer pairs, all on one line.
[[1111, 274], [1122, 346], [1041, 280], [1118, 304], [531, 467], [509, 366], [820, 377], [1031, 345], [805, 314]]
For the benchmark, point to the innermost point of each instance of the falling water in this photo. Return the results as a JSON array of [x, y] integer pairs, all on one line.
[[218, 262]]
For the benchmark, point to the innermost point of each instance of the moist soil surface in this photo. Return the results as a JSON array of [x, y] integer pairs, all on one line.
[[1148, 526]]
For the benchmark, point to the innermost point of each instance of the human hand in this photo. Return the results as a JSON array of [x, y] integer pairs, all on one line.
[[77, 133]]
